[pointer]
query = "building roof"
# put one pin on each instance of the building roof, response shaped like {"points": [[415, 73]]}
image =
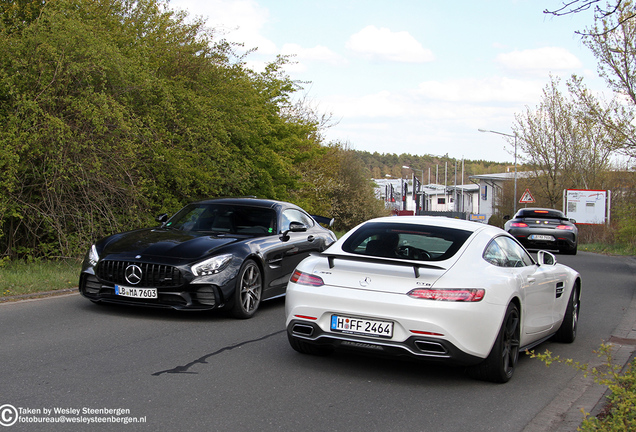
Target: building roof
{"points": [[501, 176]]}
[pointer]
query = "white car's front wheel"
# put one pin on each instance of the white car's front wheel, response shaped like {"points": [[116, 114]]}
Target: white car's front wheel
{"points": [[567, 331]]}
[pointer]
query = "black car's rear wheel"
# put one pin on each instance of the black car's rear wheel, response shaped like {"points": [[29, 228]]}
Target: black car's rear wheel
{"points": [[569, 251], [501, 362], [249, 289]]}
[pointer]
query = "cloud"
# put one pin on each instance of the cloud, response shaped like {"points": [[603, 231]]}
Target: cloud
{"points": [[541, 60], [431, 101], [301, 56], [383, 44], [240, 21], [494, 89]]}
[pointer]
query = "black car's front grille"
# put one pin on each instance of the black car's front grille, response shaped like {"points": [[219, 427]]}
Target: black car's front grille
{"points": [[152, 275]]}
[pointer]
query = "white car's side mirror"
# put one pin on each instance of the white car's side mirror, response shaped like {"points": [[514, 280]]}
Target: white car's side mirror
{"points": [[546, 258]]}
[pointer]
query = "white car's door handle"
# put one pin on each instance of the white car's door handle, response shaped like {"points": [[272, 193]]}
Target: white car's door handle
{"points": [[531, 280]]}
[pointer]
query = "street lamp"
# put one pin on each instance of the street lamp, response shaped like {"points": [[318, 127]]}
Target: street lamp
{"points": [[515, 137], [415, 169]]}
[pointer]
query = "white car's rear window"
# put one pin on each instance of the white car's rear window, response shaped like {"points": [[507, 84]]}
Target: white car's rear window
{"points": [[406, 241]]}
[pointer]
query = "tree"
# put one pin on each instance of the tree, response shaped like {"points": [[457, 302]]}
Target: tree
{"points": [[112, 111], [15, 15], [616, 53], [600, 13], [336, 183], [564, 146]]}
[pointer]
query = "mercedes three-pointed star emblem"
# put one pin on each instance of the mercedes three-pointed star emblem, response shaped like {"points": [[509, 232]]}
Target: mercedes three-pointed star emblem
{"points": [[133, 274]]}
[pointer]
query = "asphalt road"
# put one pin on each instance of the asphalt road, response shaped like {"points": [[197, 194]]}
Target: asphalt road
{"points": [[208, 372]]}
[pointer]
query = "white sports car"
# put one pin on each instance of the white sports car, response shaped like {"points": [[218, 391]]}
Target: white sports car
{"points": [[432, 288]]}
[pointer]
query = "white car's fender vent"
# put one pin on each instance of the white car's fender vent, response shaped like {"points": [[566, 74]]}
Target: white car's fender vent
{"points": [[559, 289], [416, 266]]}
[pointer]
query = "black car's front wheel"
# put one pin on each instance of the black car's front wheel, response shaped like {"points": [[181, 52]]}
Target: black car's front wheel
{"points": [[249, 289]]}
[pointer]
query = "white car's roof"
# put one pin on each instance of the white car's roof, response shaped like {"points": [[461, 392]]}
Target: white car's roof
{"points": [[440, 221], [475, 228]]}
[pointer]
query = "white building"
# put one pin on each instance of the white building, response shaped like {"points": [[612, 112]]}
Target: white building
{"points": [[438, 198], [491, 189]]}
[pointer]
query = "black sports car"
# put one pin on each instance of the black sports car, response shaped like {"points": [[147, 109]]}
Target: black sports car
{"points": [[540, 228], [224, 253]]}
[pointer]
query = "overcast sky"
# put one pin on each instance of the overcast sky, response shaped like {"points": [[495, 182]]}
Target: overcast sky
{"points": [[413, 76]]}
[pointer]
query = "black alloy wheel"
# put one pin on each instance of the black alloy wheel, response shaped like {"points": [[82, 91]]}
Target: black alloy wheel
{"points": [[249, 289], [567, 331], [500, 364]]}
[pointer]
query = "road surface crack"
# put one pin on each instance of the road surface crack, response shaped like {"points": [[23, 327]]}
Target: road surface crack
{"points": [[203, 360]]}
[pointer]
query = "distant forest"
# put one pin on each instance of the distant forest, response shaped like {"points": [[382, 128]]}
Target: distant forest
{"points": [[392, 165]]}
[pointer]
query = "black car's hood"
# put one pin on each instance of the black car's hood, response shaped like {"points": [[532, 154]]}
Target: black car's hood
{"points": [[159, 243]]}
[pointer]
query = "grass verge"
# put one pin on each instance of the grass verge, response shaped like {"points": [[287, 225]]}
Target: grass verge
{"points": [[18, 278], [608, 249]]}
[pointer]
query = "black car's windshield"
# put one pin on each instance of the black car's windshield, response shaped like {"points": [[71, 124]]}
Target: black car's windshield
{"points": [[222, 218], [406, 241]]}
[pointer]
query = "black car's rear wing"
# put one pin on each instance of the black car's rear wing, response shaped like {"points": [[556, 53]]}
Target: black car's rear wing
{"points": [[376, 260]]}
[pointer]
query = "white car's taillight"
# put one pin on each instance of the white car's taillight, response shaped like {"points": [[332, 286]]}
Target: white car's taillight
{"points": [[449, 294], [306, 279]]}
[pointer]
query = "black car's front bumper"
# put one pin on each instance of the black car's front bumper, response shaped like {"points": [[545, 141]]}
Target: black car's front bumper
{"points": [[189, 296]]}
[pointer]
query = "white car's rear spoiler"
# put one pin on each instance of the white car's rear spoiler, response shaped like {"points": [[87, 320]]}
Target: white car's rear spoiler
{"points": [[376, 260]]}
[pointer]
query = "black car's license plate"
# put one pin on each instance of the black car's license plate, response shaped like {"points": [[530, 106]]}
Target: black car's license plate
{"points": [[541, 237], [136, 292]]}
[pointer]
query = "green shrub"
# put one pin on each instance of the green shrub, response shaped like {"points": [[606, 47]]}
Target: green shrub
{"points": [[619, 414]]}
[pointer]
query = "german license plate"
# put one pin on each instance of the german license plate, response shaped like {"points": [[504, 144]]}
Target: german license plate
{"points": [[361, 326], [541, 237], [136, 292]]}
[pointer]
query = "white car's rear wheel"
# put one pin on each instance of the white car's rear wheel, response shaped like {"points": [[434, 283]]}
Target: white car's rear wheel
{"points": [[501, 362]]}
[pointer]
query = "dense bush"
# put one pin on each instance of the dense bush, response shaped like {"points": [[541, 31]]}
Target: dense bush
{"points": [[113, 111]]}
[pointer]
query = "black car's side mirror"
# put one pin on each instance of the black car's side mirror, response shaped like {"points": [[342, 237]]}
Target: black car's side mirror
{"points": [[293, 227], [162, 218]]}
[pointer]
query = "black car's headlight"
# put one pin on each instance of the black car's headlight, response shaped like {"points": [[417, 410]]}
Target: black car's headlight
{"points": [[92, 257], [212, 265]]}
